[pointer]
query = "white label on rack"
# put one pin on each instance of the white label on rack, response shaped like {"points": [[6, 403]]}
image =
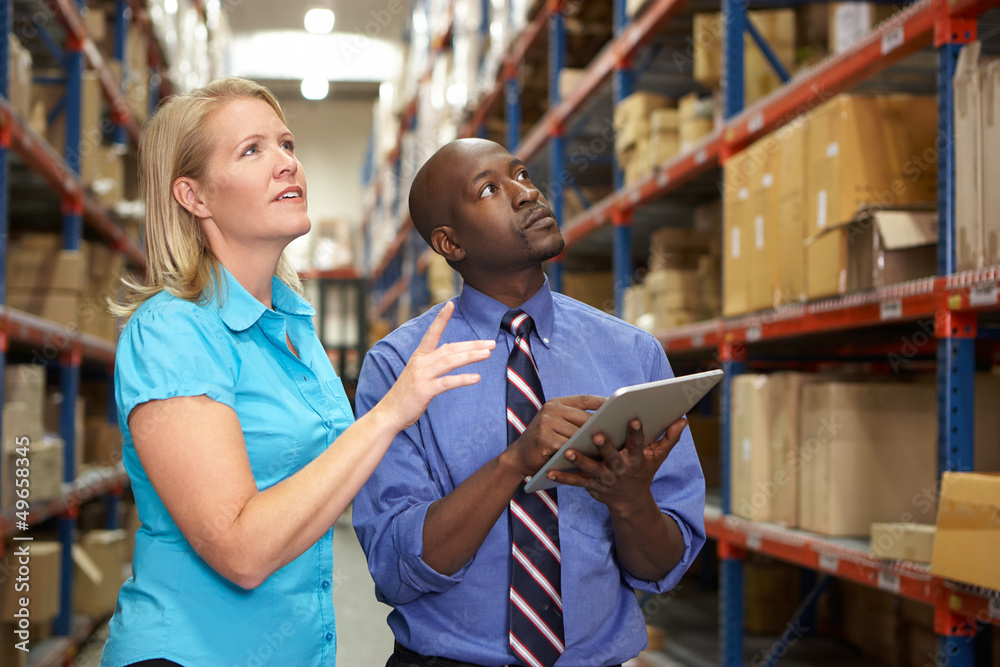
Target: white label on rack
{"points": [[753, 334], [735, 243], [994, 607], [767, 180], [983, 295], [753, 542], [697, 340], [743, 194], [821, 209], [892, 40], [758, 224], [701, 156], [745, 448], [828, 563], [662, 179], [755, 123], [890, 310], [888, 581], [635, 196], [832, 149]]}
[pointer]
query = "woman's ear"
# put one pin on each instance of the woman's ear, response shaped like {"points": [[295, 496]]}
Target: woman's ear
{"points": [[185, 191], [445, 243]]}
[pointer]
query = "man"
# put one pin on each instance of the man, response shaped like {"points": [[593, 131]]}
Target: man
{"points": [[550, 581]]}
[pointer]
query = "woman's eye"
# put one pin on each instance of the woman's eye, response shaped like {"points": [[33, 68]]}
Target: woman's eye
{"points": [[250, 150], [288, 145], [488, 190]]}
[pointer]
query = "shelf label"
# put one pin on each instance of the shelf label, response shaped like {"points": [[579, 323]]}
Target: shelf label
{"points": [[662, 179], [994, 607], [828, 563], [635, 196], [701, 156], [753, 334], [892, 40], [756, 122], [983, 295], [753, 542], [697, 340], [890, 310], [888, 582]]}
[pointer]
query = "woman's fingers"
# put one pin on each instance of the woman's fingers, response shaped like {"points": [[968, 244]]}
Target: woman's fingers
{"points": [[433, 334]]}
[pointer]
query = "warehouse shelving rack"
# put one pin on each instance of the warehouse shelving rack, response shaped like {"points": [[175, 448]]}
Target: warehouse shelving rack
{"points": [[952, 301], [48, 341]]}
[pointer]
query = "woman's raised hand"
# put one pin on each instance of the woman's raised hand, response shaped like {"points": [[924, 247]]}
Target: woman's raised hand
{"points": [[426, 373]]}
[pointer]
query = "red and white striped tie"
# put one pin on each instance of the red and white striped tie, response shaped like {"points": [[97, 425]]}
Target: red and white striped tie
{"points": [[536, 621]]}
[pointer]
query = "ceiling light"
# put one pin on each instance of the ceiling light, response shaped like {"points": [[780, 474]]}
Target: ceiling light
{"points": [[170, 6], [315, 88], [319, 21]]}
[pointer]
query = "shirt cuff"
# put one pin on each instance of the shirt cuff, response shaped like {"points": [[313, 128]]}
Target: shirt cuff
{"points": [[408, 536], [671, 578], [215, 392]]}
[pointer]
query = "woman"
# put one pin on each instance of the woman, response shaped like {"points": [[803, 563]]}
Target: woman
{"points": [[238, 437]]}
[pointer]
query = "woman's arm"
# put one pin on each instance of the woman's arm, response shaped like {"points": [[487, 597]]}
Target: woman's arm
{"points": [[193, 451]]}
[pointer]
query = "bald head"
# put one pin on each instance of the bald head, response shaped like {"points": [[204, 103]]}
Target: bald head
{"points": [[446, 172]]}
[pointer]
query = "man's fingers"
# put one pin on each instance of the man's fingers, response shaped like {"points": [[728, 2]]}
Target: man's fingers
{"points": [[434, 331], [584, 464], [582, 401]]}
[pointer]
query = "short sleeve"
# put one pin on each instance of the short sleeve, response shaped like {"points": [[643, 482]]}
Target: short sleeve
{"points": [[172, 350]]}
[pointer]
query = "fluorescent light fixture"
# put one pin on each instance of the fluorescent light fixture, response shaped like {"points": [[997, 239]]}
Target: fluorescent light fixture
{"points": [[319, 21], [419, 22], [385, 92], [339, 56], [457, 95], [170, 6], [315, 88]]}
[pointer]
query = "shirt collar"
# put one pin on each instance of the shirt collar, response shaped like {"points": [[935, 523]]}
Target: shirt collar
{"points": [[484, 314], [240, 310]]}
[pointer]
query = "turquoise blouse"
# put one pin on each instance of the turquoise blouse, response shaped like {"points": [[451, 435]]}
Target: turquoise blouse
{"points": [[233, 350]]}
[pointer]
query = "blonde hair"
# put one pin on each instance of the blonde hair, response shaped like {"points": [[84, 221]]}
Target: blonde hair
{"points": [[174, 144]]}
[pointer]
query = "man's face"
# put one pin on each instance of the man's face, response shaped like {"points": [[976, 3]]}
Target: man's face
{"points": [[502, 221]]}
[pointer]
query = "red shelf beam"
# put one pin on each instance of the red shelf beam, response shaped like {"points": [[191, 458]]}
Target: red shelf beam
{"points": [[85, 488], [21, 327]]}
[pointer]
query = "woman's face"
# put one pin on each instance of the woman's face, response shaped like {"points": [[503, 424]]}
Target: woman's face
{"points": [[256, 189]]}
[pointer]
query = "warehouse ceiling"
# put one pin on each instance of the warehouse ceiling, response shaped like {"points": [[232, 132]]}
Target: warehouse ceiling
{"points": [[271, 45]]}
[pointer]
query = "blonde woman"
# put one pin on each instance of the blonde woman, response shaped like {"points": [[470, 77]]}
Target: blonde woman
{"points": [[238, 437]]}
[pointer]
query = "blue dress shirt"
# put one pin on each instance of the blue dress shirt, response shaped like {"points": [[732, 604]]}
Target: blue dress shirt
{"points": [[233, 350], [578, 350]]}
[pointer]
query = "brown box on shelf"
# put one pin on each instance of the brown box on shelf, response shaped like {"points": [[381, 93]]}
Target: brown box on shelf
{"points": [[968, 533], [969, 196], [59, 306], [100, 560], [637, 108], [765, 446], [705, 433], [989, 86], [852, 21], [735, 229], [636, 303], [762, 244], [45, 471], [697, 119], [42, 269], [871, 622], [673, 297], [102, 442], [869, 152], [43, 595], [770, 595], [24, 403], [569, 78], [594, 288], [45, 96], [903, 541], [777, 27], [868, 449], [678, 247], [791, 195], [19, 68]]}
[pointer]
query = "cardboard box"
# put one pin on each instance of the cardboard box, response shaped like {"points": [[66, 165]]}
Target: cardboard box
{"points": [[697, 119], [867, 450], [53, 421], [102, 442], [705, 432], [736, 221], [44, 583], [594, 288], [765, 446], [763, 221], [19, 68], [38, 269], [968, 160], [871, 622], [58, 306], [791, 195], [569, 78], [989, 86], [45, 471], [24, 401], [636, 303], [968, 529], [770, 595], [100, 558], [91, 134], [852, 21], [638, 107], [903, 541]]}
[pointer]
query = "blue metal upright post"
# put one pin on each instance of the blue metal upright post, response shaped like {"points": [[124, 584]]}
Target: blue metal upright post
{"points": [[6, 23], [69, 371], [122, 20], [512, 109], [734, 17], [955, 331], [557, 138], [622, 266]]}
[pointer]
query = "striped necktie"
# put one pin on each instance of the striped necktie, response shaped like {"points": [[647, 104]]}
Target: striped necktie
{"points": [[535, 609]]}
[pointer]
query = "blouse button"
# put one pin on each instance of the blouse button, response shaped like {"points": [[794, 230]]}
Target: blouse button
{"points": [[326, 585], [329, 636]]}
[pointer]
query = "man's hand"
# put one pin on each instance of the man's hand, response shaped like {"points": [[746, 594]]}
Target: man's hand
{"points": [[622, 479], [548, 431]]}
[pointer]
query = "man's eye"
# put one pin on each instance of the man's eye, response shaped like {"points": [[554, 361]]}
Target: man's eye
{"points": [[523, 175], [488, 190]]}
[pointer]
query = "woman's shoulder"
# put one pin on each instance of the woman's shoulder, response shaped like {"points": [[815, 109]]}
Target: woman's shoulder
{"points": [[166, 310]]}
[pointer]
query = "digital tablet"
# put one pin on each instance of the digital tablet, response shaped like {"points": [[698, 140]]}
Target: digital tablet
{"points": [[658, 404]]}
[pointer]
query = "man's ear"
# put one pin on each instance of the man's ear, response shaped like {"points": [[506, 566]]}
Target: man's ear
{"points": [[186, 191], [445, 243]]}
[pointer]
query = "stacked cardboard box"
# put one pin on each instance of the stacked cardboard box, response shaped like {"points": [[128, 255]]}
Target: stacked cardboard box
{"points": [[102, 282], [863, 152], [19, 91], [25, 445], [633, 130], [674, 293], [664, 139], [770, 594], [977, 164], [24, 401], [968, 534], [45, 280], [708, 220], [43, 596], [594, 288], [696, 119], [705, 434], [852, 21], [792, 226], [100, 560]]}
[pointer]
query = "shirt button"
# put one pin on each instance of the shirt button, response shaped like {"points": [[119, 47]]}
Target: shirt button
{"points": [[325, 585], [545, 340], [328, 424], [329, 636]]}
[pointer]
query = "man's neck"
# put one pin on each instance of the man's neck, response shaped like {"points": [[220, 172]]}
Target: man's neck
{"points": [[510, 289]]}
